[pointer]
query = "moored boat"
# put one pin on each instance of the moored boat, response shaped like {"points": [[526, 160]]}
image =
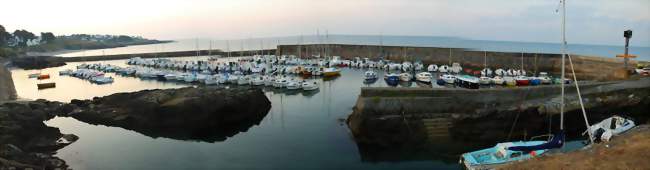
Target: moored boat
{"points": [[424, 77], [405, 77], [331, 72], [392, 79], [522, 81]]}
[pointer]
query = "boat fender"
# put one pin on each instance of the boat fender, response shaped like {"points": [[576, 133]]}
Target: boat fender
{"points": [[533, 154]]}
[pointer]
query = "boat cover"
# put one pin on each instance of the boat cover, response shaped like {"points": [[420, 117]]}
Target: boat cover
{"points": [[556, 142]]}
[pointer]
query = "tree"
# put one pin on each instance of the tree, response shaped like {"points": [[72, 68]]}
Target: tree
{"points": [[4, 36], [23, 37], [47, 37]]}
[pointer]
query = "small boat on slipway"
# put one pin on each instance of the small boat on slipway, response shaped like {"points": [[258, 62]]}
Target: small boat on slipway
{"points": [[605, 129], [405, 77]]}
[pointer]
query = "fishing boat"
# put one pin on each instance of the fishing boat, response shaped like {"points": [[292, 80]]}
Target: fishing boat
{"points": [[612, 126], [331, 72], [448, 78], [405, 77], [424, 77], [522, 81], [369, 75], [392, 79], [309, 86]]}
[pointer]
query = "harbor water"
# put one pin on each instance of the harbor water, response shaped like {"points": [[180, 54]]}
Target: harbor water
{"points": [[301, 131]]}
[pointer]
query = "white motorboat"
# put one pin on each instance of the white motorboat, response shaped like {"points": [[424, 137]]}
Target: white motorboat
{"points": [[405, 77], [606, 129], [280, 82], [424, 77], [370, 75], [293, 85], [483, 80], [308, 86]]}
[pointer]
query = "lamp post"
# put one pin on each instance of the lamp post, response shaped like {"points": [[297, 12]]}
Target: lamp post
{"points": [[627, 34]]}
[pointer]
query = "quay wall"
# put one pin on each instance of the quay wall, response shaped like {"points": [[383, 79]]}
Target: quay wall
{"points": [[586, 67]]}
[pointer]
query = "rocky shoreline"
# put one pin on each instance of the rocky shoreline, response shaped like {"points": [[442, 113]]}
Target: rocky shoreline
{"points": [[207, 114], [7, 89]]}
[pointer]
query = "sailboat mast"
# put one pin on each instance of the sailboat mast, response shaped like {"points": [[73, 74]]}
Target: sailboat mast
{"points": [[563, 56]]}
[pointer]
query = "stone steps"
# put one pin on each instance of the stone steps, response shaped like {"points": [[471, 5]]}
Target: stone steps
{"points": [[436, 127]]}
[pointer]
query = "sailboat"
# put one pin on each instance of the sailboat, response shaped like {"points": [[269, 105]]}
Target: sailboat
{"points": [[507, 152]]}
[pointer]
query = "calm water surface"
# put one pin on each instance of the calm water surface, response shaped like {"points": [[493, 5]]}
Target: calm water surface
{"points": [[301, 131]]}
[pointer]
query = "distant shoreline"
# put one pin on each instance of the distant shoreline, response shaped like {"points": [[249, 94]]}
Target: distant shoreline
{"points": [[66, 51]]}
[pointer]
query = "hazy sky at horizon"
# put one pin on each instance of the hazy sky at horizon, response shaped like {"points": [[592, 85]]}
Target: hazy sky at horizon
{"points": [[589, 21]]}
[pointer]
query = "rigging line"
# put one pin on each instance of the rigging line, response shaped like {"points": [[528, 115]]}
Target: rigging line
{"points": [[512, 128], [582, 105]]}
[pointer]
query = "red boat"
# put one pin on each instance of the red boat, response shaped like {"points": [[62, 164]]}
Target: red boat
{"points": [[522, 81]]}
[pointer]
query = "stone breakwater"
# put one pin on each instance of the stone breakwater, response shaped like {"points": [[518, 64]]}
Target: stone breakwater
{"points": [[207, 114], [388, 118], [7, 89]]}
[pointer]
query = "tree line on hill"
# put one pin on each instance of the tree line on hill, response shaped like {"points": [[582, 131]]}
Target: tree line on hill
{"points": [[19, 42]]}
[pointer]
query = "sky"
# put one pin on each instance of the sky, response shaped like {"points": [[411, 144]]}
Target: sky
{"points": [[588, 21]]}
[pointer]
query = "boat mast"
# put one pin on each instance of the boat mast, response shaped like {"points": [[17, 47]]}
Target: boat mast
{"points": [[563, 49], [485, 59], [228, 47]]}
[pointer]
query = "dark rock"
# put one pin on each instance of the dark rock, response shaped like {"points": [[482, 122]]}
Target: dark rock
{"points": [[24, 136], [205, 114]]}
